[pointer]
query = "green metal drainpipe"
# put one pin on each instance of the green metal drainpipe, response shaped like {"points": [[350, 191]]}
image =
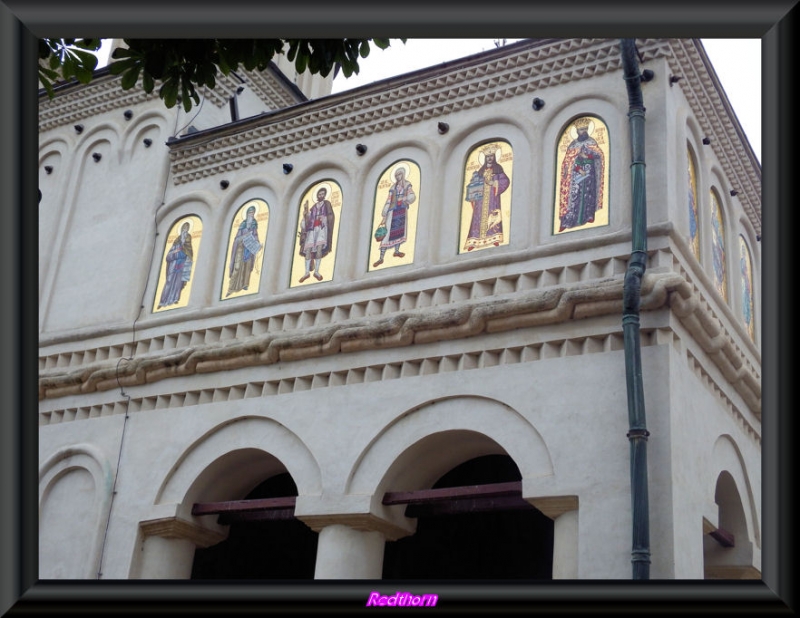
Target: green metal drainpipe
{"points": [[637, 433]]}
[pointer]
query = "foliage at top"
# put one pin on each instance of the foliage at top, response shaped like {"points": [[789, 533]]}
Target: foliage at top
{"points": [[66, 59], [179, 67]]}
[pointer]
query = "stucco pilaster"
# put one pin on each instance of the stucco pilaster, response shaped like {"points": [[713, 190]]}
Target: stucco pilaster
{"points": [[563, 510], [344, 552], [167, 548]]}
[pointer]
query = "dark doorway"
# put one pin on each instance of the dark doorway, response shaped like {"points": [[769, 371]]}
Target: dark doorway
{"points": [[514, 544], [273, 549]]}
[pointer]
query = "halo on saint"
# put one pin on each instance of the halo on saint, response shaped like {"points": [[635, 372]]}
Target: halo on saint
{"points": [[491, 148], [322, 185], [403, 167], [586, 122]]}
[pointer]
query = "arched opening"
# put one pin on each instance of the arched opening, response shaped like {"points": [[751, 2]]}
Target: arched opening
{"points": [[727, 549], [474, 538], [261, 544]]}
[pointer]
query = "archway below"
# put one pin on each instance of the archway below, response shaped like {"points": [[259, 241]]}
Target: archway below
{"points": [[727, 550], [475, 544], [266, 549]]}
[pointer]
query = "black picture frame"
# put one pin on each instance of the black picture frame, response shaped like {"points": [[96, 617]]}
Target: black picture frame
{"points": [[23, 21]]}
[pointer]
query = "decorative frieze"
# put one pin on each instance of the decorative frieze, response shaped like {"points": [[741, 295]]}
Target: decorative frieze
{"points": [[319, 124], [451, 321], [416, 367], [423, 366], [85, 102], [105, 94]]}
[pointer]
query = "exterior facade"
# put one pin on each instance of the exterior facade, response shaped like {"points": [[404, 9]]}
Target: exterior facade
{"points": [[336, 304]]}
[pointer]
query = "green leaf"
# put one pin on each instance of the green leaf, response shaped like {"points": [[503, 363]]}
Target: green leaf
{"points": [[48, 88], [89, 44], [206, 74], [169, 92], [301, 63], [47, 77], [294, 44], [87, 59], [155, 64], [249, 61], [147, 82], [51, 74], [122, 52], [166, 61], [120, 66], [83, 74], [67, 67], [130, 77], [223, 64]]}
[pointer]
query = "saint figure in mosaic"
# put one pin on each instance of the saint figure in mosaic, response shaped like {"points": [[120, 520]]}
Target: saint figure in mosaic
{"points": [[179, 256], [246, 249], [694, 237], [316, 233], [484, 190], [583, 173], [718, 247], [746, 266], [393, 227]]}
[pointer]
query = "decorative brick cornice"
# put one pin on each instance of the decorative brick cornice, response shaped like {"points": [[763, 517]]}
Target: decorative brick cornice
{"points": [[77, 103], [455, 320], [266, 85], [271, 88], [333, 120]]}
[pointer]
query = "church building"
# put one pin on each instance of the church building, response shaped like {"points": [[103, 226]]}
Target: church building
{"points": [[380, 334]]}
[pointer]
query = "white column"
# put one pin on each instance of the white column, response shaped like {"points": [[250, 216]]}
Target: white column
{"points": [[167, 548], [563, 510], [565, 546], [346, 553], [164, 558]]}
